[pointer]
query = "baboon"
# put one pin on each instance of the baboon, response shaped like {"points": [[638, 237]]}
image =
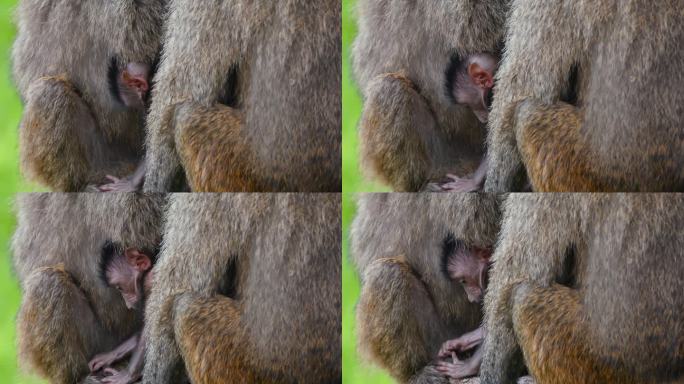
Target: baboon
{"points": [[68, 314], [469, 266], [589, 98], [130, 272], [408, 305], [247, 290], [589, 288], [412, 132], [470, 82], [248, 98], [83, 69]]}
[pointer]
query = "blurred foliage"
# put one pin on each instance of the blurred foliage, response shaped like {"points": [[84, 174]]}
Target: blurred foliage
{"points": [[10, 183], [354, 370]]}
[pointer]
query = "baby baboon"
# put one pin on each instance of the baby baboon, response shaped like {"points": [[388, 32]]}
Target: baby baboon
{"points": [[589, 287], [411, 130], [470, 82], [248, 97], [130, 272], [247, 290], [83, 70], [469, 266], [589, 97], [408, 305], [68, 314]]}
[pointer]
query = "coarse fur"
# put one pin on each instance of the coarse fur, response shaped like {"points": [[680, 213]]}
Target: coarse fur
{"points": [[247, 97], [74, 131], [408, 306], [624, 130], [411, 131], [247, 290], [68, 314], [589, 288]]}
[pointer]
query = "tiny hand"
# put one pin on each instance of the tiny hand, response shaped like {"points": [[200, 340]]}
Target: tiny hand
{"points": [[101, 361], [119, 377], [460, 184], [450, 346], [456, 369], [118, 185]]}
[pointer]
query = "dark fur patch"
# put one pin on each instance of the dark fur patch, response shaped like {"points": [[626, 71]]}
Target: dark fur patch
{"points": [[455, 65], [570, 95], [113, 81], [109, 251], [450, 246], [568, 275], [229, 92], [489, 99], [229, 282]]}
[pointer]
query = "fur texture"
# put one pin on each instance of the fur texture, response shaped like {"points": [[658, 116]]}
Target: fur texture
{"points": [[247, 290], [587, 288], [248, 97], [411, 131], [408, 307], [623, 131], [74, 131], [68, 314]]}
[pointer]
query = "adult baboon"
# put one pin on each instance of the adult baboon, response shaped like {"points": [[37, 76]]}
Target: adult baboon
{"points": [[248, 97], [589, 287], [247, 290], [589, 97]]}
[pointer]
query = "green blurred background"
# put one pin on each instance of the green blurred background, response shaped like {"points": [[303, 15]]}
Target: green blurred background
{"points": [[354, 371], [10, 181]]}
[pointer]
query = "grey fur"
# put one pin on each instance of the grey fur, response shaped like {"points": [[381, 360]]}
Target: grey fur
{"points": [[628, 268], [287, 55], [285, 252], [629, 90]]}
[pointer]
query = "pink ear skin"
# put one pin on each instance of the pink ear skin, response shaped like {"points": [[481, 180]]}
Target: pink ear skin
{"points": [[134, 84], [481, 76], [138, 260]]}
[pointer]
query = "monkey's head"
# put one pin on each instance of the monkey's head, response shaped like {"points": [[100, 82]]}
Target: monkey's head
{"points": [[467, 265], [128, 270], [470, 82], [130, 84]]}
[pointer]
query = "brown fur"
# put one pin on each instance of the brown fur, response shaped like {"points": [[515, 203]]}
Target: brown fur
{"points": [[209, 138], [548, 320], [550, 139]]}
